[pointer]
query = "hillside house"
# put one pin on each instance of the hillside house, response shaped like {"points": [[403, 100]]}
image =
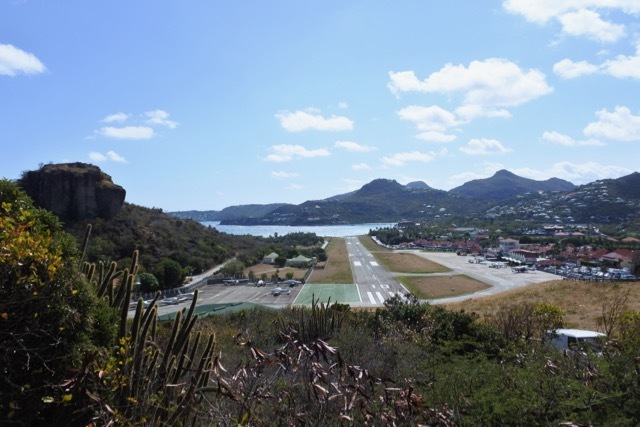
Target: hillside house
{"points": [[270, 259], [508, 245], [299, 261], [618, 258]]}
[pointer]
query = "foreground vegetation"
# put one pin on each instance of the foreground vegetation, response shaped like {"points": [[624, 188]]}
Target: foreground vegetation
{"points": [[70, 356]]}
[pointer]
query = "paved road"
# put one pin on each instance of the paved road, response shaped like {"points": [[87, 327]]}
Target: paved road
{"points": [[375, 283]]}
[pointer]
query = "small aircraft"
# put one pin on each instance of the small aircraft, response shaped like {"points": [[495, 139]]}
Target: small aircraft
{"points": [[173, 300], [519, 269], [277, 291], [231, 282], [292, 283]]}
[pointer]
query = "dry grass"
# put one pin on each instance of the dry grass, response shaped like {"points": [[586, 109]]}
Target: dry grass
{"points": [[337, 269], [258, 269], [430, 287], [405, 262], [371, 246], [582, 302]]}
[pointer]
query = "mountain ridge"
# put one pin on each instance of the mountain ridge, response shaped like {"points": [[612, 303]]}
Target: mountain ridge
{"points": [[386, 200]]}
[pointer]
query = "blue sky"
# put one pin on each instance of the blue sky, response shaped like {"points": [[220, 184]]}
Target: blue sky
{"points": [[207, 104]]}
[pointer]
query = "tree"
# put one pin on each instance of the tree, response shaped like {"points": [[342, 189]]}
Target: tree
{"points": [[168, 272], [148, 282], [49, 314], [281, 261], [233, 269]]}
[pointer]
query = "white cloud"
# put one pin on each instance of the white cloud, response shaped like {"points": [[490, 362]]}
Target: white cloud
{"points": [[618, 125], [568, 69], [470, 112], [117, 117], [110, 156], [429, 118], [294, 187], [400, 159], [302, 120], [360, 167], [127, 132], [578, 18], [433, 121], [484, 146], [623, 66], [435, 136], [343, 105], [565, 140], [354, 146], [541, 11], [494, 82], [285, 153], [284, 175], [160, 117], [577, 173], [15, 61], [588, 23]]}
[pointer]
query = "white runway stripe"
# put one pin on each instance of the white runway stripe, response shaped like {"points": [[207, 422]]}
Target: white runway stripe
{"points": [[380, 297], [371, 298]]}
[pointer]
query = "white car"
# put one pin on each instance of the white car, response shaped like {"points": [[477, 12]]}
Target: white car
{"points": [[576, 340]]}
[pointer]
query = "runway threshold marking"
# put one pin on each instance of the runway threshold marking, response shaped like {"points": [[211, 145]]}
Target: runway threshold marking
{"points": [[357, 263], [380, 297], [373, 263], [371, 298]]}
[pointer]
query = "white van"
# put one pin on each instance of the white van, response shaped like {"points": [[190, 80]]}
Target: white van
{"points": [[576, 339]]}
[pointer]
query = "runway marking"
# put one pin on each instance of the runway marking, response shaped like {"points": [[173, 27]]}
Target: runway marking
{"points": [[384, 286], [371, 298], [373, 263], [357, 263], [380, 297]]}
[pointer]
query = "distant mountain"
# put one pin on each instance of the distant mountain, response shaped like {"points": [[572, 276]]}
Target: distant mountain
{"points": [[627, 187], [504, 184], [418, 184], [504, 196], [381, 200], [231, 212]]}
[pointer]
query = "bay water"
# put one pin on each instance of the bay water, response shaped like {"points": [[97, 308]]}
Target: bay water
{"points": [[281, 230]]}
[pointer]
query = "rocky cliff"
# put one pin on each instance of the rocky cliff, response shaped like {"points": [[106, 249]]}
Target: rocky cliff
{"points": [[74, 191]]}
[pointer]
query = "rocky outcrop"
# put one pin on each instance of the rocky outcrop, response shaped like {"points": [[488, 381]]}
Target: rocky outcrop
{"points": [[74, 191]]}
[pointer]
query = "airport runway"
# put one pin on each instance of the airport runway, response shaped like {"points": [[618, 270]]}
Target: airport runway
{"points": [[374, 282]]}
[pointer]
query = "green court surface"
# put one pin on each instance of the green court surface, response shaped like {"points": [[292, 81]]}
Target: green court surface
{"points": [[339, 293]]}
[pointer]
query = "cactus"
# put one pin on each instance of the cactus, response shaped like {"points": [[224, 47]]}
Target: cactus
{"points": [[164, 382]]}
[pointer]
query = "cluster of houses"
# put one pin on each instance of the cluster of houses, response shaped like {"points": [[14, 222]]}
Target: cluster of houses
{"points": [[300, 261], [584, 263]]}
